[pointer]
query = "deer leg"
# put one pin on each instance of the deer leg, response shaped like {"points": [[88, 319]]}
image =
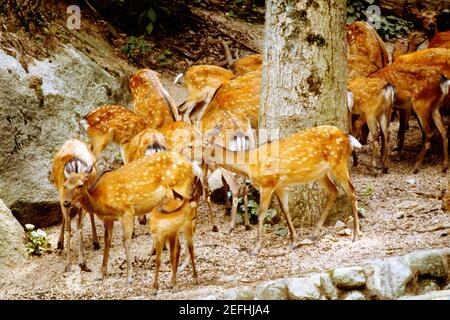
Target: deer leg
{"points": [[342, 175], [66, 214], [81, 257], [226, 188], [385, 141], [189, 233], [424, 120], [174, 257], [283, 199], [142, 219], [264, 201], [94, 232], [109, 227], [127, 228], [60, 245], [437, 118], [357, 131], [212, 215], [207, 100], [373, 127], [330, 188], [234, 187], [246, 214], [158, 247], [404, 121]]}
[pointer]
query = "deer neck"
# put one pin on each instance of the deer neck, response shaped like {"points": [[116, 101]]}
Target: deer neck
{"points": [[88, 202]]}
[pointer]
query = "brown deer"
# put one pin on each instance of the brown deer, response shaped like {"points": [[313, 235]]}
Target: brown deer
{"points": [[404, 46], [429, 18], [372, 101], [165, 226], [72, 159], [132, 190], [240, 95], [310, 155], [247, 64], [201, 82], [423, 89], [440, 40], [111, 123], [151, 100]]}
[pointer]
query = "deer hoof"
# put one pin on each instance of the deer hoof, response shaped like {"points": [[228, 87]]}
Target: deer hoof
{"points": [[60, 246], [84, 267], [256, 250], [96, 245], [154, 291], [415, 171], [215, 229], [68, 268], [248, 227]]}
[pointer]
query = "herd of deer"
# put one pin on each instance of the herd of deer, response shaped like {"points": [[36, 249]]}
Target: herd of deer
{"points": [[166, 157]]}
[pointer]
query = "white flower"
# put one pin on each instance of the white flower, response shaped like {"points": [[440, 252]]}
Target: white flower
{"points": [[29, 226]]}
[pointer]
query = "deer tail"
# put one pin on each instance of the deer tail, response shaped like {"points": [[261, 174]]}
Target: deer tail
{"points": [[354, 143]]}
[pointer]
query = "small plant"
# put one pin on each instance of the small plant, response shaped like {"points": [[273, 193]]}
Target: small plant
{"points": [[368, 192], [388, 27], [164, 58], [37, 243], [135, 46]]}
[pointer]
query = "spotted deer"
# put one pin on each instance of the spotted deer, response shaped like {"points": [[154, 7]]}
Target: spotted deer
{"points": [[132, 190], [372, 101], [112, 124], [422, 90], [201, 82], [151, 100], [310, 155], [166, 224], [408, 45], [247, 64], [72, 159], [366, 52], [240, 95]]}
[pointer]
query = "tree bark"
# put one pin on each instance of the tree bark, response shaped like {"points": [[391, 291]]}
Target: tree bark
{"points": [[304, 80]]}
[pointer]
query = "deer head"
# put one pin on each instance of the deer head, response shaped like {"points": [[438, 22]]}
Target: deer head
{"points": [[428, 18]]}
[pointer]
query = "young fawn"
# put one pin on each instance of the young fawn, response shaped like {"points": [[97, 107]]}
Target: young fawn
{"points": [[132, 190], [372, 101], [165, 226], [310, 155], [112, 123], [151, 100], [74, 158], [201, 83]]}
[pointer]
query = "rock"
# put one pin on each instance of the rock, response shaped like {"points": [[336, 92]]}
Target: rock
{"points": [[345, 232], [34, 123], [411, 181], [240, 293], [312, 287], [12, 245], [429, 263], [387, 279], [349, 278], [428, 285], [407, 204], [339, 225], [434, 295], [230, 278], [306, 242], [274, 290], [399, 215], [353, 295]]}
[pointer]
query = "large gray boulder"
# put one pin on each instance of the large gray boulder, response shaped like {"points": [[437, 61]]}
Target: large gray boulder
{"points": [[39, 110], [313, 287], [12, 246], [388, 278], [349, 277], [431, 263]]}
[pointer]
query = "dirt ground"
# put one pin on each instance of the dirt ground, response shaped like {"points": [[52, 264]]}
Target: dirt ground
{"points": [[224, 260]]}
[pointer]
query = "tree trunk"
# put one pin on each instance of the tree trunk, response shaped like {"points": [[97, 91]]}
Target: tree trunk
{"points": [[304, 80]]}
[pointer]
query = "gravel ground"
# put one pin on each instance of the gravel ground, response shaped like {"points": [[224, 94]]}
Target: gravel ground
{"points": [[223, 260]]}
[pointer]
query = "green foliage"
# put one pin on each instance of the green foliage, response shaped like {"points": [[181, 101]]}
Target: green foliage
{"points": [[165, 58], [37, 243], [388, 27], [135, 46], [368, 192]]}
